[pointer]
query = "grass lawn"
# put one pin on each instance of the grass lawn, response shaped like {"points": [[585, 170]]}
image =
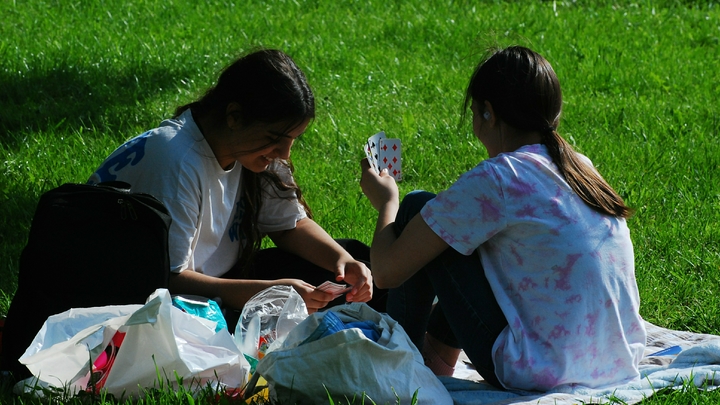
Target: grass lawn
{"points": [[640, 81]]}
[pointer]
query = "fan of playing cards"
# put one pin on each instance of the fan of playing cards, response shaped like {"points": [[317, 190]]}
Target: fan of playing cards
{"points": [[384, 153], [333, 288]]}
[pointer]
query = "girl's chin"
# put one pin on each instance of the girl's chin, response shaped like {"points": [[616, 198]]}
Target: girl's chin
{"points": [[257, 165], [260, 167]]}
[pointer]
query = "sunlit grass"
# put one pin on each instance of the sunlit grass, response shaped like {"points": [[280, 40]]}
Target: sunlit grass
{"points": [[640, 81]]}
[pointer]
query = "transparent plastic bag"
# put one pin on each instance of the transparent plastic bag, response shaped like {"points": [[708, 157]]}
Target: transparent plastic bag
{"points": [[266, 320]]}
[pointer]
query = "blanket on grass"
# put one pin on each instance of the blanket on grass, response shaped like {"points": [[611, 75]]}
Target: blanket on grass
{"points": [[672, 359]]}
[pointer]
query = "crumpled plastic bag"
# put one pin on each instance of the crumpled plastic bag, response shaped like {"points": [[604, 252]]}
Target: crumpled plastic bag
{"points": [[266, 320], [158, 339], [349, 362]]}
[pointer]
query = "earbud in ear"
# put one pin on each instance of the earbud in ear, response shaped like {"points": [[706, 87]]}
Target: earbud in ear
{"points": [[487, 115]]}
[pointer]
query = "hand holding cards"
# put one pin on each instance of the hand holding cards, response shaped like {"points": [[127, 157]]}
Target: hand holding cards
{"points": [[333, 288], [384, 153]]}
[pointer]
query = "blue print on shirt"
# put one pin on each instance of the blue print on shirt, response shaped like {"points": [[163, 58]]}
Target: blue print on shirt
{"points": [[133, 153], [235, 233]]}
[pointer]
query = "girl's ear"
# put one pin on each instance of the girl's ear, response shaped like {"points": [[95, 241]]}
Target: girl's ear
{"points": [[233, 116], [489, 114]]}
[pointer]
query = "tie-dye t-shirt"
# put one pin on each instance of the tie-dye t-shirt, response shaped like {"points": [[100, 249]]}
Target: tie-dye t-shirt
{"points": [[562, 273]]}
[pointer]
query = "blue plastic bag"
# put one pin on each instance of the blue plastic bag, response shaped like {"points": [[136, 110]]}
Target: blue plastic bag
{"points": [[202, 307]]}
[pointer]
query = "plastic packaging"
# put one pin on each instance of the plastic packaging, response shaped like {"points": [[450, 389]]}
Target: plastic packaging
{"points": [[266, 320], [202, 307]]}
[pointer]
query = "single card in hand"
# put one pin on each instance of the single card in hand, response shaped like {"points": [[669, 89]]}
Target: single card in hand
{"points": [[334, 288], [384, 153], [372, 146], [390, 157]]}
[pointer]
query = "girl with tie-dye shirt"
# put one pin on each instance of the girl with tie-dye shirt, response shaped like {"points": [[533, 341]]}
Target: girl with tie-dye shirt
{"points": [[538, 286]]}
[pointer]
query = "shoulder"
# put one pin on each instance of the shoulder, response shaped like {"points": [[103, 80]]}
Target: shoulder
{"points": [[170, 150], [528, 158]]}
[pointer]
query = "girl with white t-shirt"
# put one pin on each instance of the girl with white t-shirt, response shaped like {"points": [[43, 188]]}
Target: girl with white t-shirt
{"points": [[538, 284], [221, 167]]}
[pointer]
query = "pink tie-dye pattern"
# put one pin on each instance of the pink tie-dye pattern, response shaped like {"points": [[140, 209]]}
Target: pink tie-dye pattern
{"points": [[562, 315], [634, 327], [597, 374], [558, 332], [546, 378], [516, 255], [526, 211], [519, 188], [574, 299], [447, 237], [611, 258], [489, 211], [526, 284], [428, 213], [591, 321], [448, 204], [563, 282], [523, 363], [592, 350]]}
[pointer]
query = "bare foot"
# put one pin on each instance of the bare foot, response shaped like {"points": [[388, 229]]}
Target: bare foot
{"points": [[439, 357]]}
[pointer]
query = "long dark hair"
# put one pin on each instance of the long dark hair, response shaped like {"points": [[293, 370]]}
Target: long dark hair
{"points": [[269, 88], [524, 92]]}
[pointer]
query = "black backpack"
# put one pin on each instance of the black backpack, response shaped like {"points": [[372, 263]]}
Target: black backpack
{"points": [[89, 245]]}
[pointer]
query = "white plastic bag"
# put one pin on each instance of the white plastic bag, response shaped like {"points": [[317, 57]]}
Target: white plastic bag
{"points": [[159, 338], [347, 363], [266, 319]]}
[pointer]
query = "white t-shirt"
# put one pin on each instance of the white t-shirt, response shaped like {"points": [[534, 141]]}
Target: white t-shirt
{"points": [[175, 164], [563, 274]]}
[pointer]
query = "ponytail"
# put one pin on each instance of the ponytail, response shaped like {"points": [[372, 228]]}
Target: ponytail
{"points": [[584, 180]]}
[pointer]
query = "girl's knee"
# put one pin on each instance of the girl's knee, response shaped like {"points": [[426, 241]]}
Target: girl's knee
{"points": [[410, 206], [413, 202]]}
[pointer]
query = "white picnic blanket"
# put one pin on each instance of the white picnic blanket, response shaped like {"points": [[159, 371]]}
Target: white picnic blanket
{"points": [[672, 359]]}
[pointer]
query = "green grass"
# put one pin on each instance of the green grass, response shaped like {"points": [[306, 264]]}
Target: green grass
{"points": [[640, 80]]}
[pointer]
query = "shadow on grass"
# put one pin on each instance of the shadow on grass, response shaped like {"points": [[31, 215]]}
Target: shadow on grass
{"points": [[15, 220], [66, 96]]}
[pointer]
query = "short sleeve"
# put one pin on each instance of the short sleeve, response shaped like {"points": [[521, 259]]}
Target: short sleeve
{"points": [[280, 209], [468, 213]]}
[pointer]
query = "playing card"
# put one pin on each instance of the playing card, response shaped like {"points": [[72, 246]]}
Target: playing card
{"points": [[389, 157], [333, 288], [371, 150]]}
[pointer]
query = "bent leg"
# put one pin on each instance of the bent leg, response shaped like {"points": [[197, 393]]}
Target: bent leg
{"points": [[470, 308], [410, 304]]}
